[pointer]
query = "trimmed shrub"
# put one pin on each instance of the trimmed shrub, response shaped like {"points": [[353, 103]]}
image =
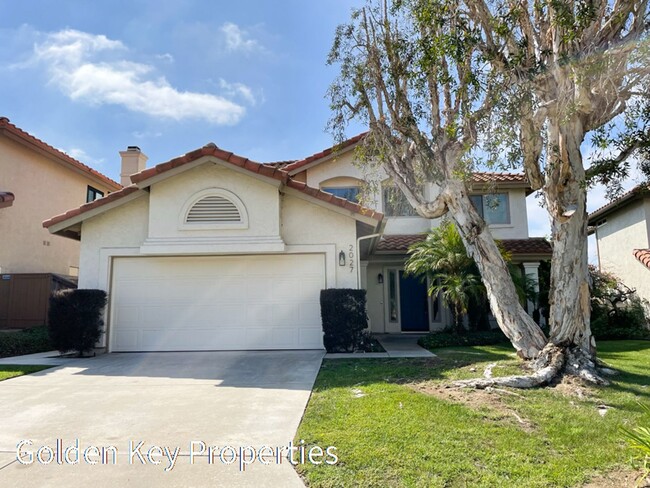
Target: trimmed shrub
{"points": [[27, 341], [75, 319], [447, 339], [343, 311]]}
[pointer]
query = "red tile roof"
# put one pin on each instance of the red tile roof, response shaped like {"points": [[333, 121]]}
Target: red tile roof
{"points": [[636, 192], [31, 141], [212, 150], [532, 245], [643, 255], [397, 242], [324, 153], [6, 199], [493, 177], [86, 207], [401, 243]]}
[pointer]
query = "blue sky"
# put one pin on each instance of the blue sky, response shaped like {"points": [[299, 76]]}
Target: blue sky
{"points": [[92, 78]]}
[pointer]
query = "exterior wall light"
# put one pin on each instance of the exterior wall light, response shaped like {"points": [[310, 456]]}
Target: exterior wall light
{"points": [[341, 258], [380, 278]]}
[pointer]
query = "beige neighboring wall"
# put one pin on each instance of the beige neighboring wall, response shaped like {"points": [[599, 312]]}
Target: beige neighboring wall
{"points": [[43, 187], [625, 230]]}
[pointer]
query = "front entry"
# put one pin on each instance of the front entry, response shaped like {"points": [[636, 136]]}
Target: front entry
{"points": [[413, 304]]}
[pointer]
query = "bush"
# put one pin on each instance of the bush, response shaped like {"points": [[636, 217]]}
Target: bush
{"points": [[343, 312], [446, 339], [27, 341], [75, 319], [617, 312]]}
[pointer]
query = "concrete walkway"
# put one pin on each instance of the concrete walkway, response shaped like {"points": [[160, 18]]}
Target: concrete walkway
{"points": [[396, 346]]}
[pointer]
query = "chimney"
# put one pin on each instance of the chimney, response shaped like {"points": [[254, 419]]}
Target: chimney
{"points": [[133, 161]]}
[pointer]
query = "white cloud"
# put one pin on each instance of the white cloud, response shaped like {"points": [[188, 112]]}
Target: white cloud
{"points": [[237, 89], [145, 134], [237, 39], [81, 155], [167, 58], [91, 68]]}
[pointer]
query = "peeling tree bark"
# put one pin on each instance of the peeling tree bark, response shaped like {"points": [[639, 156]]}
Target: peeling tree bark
{"points": [[525, 335]]}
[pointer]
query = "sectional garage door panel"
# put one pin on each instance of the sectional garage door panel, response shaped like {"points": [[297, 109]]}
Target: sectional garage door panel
{"points": [[217, 303]]}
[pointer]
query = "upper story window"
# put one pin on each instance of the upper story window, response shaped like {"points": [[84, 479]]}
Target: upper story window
{"points": [[214, 208], [93, 194], [396, 204], [494, 207], [350, 193]]}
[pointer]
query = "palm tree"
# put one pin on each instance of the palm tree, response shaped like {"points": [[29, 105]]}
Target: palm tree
{"points": [[453, 275]]}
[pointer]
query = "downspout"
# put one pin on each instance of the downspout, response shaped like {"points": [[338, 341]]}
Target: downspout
{"points": [[371, 236]]}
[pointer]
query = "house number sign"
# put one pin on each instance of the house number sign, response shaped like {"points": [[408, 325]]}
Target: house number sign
{"points": [[351, 256]]}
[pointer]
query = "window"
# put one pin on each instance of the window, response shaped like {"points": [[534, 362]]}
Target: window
{"points": [[494, 208], [396, 204], [93, 194], [350, 193], [392, 295]]}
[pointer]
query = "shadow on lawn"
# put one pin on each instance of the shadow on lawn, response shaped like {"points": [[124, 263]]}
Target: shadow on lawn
{"points": [[355, 372]]}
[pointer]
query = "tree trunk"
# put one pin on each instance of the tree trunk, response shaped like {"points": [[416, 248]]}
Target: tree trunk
{"points": [[570, 308], [525, 335]]}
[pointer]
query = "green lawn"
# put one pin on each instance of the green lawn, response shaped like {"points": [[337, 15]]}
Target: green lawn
{"points": [[11, 371], [394, 425]]}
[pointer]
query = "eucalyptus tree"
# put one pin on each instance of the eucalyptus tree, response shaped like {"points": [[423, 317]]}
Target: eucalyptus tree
{"points": [[567, 69], [444, 85], [412, 71]]}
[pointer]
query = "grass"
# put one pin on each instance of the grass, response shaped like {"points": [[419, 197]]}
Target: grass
{"points": [[11, 371], [387, 433], [27, 341]]}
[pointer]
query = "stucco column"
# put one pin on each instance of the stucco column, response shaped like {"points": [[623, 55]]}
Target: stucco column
{"points": [[531, 271]]}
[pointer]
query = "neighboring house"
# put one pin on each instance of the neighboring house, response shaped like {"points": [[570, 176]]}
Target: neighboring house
{"points": [[45, 181], [622, 231], [213, 251]]}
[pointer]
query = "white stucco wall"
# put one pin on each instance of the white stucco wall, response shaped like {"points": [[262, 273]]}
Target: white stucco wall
{"points": [[305, 223], [124, 228], [301, 226], [340, 171], [626, 230], [169, 197]]}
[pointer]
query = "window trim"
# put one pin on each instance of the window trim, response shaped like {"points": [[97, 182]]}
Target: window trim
{"points": [[95, 192], [219, 192]]}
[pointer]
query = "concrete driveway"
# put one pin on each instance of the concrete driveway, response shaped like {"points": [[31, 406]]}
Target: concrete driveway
{"points": [[173, 402]]}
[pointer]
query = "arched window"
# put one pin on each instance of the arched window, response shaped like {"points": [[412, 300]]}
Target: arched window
{"points": [[214, 208]]}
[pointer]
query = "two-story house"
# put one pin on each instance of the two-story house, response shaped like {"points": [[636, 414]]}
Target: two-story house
{"points": [[398, 302], [622, 232], [44, 181], [37, 180], [213, 251]]}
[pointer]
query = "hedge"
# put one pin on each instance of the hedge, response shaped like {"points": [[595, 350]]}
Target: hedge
{"points": [[75, 319], [343, 311]]}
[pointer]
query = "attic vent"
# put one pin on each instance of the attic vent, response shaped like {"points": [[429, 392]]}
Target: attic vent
{"points": [[213, 209]]}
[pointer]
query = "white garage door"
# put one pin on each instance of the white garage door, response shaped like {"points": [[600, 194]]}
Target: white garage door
{"points": [[217, 303]]}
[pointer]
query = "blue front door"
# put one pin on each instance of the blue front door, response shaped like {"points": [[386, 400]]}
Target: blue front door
{"points": [[413, 304]]}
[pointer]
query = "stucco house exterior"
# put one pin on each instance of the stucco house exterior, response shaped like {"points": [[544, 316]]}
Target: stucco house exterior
{"points": [[37, 181], [213, 251], [622, 232]]}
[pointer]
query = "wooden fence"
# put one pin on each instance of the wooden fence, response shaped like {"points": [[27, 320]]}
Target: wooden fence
{"points": [[24, 298]]}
